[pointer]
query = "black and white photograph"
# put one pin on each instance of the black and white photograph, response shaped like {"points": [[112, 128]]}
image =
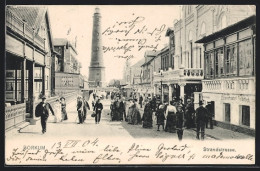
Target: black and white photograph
{"points": [[130, 84]]}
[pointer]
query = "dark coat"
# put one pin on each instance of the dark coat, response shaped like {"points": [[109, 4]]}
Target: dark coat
{"points": [[44, 110], [201, 115], [97, 107]]}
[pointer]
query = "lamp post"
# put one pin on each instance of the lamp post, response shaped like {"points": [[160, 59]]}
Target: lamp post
{"points": [[161, 86]]}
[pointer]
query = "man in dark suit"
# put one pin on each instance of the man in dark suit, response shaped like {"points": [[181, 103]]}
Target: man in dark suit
{"points": [[201, 118], [43, 109], [98, 109]]}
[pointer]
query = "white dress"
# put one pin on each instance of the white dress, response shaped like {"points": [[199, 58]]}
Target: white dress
{"points": [[57, 112]]}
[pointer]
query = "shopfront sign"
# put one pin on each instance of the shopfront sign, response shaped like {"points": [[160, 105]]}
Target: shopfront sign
{"points": [[231, 97]]}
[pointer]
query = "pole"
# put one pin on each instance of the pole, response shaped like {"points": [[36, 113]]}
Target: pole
{"points": [[161, 92]]}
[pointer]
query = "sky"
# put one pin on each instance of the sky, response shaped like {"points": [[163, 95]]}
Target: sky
{"points": [[127, 31]]}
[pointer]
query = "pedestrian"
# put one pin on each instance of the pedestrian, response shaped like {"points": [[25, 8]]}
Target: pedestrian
{"points": [[134, 116], [57, 111], [189, 114], [141, 101], [179, 121], [201, 118], [85, 109], [116, 108], [122, 109], [210, 115], [170, 118], [160, 117], [98, 110], [80, 106], [63, 109], [112, 109], [42, 109], [148, 115]]}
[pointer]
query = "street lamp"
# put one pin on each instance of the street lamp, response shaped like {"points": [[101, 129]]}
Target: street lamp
{"points": [[161, 72]]}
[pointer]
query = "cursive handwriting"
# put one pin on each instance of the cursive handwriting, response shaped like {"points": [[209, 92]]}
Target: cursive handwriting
{"points": [[107, 156]]}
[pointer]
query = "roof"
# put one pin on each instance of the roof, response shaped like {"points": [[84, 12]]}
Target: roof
{"points": [[60, 41], [139, 63], [63, 42], [148, 62], [228, 30], [150, 53], [32, 15]]}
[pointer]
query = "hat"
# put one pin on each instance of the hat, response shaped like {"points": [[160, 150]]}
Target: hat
{"points": [[62, 98], [200, 102], [43, 97], [209, 102]]}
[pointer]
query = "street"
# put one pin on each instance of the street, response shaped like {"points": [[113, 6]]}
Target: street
{"points": [[107, 128]]}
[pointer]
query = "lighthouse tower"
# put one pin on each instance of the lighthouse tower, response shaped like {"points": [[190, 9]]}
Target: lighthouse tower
{"points": [[96, 69]]}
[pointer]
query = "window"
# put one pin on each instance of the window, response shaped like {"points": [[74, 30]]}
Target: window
{"points": [[223, 21], [231, 61], [227, 112], [203, 29], [47, 83], [219, 63], [191, 57], [245, 58], [209, 64], [245, 115]]}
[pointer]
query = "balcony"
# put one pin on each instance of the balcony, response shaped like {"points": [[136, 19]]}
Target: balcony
{"points": [[184, 74], [21, 28], [230, 85]]}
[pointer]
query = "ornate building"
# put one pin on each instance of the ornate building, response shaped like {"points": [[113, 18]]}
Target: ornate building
{"points": [[229, 69], [196, 21]]}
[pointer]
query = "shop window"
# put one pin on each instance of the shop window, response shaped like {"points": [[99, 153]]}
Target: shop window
{"points": [[245, 115], [219, 63], [227, 112], [245, 58], [231, 61]]}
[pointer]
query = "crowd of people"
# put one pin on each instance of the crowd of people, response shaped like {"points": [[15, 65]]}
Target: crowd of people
{"points": [[173, 117]]}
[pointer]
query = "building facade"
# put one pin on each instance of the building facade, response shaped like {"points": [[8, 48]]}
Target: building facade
{"points": [[196, 21], [230, 75], [29, 54], [67, 70]]}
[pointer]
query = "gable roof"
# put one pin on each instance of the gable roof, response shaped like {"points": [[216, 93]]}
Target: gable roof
{"points": [[139, 63], [32, 15]]}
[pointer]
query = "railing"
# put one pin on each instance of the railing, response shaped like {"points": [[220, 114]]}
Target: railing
{"points": [[191, 74], [14, 115], [18, 26], [230, 85]]}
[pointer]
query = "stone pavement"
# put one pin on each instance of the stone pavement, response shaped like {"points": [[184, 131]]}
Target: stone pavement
{"points": [[109, 128]]}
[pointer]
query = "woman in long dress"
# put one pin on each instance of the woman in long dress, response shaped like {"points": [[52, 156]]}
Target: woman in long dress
{"points": [[148, 116], [57, 111], [63, 109], [171, 118], [133, 114]]}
